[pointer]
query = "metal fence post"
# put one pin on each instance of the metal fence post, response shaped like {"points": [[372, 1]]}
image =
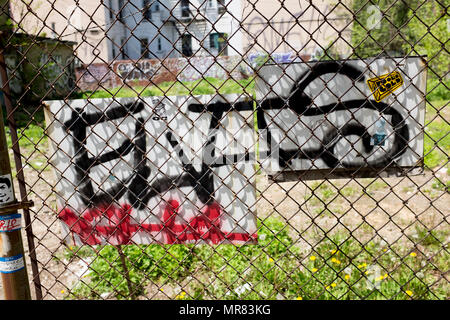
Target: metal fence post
{"points": [[12, 262]]}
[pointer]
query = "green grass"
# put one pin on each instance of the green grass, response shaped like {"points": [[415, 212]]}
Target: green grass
{"points": [[437, 134], [339, 267], [200, 87]]}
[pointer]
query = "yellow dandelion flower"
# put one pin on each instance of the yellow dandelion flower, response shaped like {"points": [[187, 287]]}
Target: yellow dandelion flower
{"points": [[333, 251], [270, 260], [409, 292], [62, 291], [334, 284], [314, 269], [183, 293], [312, 258], [366, 272], [385, 276], [299, 298], [347, 276], [384, 249], [379, 278], [335, 261], [327, 287], [161, 289], [413, 254]]}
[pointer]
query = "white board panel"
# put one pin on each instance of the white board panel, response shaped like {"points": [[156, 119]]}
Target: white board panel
{"points": [[364, 116], [144, 170]]}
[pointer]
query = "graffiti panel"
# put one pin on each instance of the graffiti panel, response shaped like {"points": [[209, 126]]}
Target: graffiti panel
{"points": [[337, 116], [165, 170]]}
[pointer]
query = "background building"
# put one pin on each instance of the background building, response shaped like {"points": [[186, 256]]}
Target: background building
{"points": [[65, 20], [143, 29], [299, 26]]}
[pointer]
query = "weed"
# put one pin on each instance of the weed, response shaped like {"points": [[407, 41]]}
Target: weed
{"points": [[340, 267]]}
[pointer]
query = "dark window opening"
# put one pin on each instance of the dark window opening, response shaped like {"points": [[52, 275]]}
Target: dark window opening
{"points": [[159, 44], [145, 53], [53, 27], [122, 48], [111, 10], [219, 42], [186, 45], [185, 11], [146, 9], [221, 8], [121, 8]]}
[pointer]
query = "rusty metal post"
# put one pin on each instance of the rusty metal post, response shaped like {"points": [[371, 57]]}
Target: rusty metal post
{"points": [[19, 170], [12, 262]]}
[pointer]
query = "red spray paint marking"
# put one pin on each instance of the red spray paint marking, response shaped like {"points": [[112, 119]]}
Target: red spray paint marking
{"points": [[119, 228]]}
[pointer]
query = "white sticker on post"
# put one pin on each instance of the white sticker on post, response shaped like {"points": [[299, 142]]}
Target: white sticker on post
{"points": [[6, 189], [11, 264]]}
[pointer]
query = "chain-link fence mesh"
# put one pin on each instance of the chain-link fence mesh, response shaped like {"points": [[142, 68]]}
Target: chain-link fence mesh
{"points": [[143, 125]]}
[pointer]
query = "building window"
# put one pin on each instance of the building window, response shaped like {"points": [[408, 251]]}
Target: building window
{"points": [[121, 9], [145, 53], [111, 10], [113, 50], [146, 9], [123, 48], [186, 45], [53, 27], [185, 11], [221, 8], [219, 42], [159, 44]]}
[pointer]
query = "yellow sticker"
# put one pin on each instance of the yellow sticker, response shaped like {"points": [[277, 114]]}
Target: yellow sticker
{"points": [[384, 85]]}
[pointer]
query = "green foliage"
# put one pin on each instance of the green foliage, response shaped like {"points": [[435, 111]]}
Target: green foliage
{"points": [[436, 137], [339, 267], [406, 28], [438, 89]]}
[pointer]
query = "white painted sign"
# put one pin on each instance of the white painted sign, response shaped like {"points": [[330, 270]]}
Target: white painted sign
{"points": [[142, 170], [342, 115]]}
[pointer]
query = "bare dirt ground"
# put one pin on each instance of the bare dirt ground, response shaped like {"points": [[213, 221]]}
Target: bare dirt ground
{"points": [[387, 208]]}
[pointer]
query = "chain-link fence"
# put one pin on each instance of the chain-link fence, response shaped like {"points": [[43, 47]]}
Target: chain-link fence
{"points": [[231, 149]]}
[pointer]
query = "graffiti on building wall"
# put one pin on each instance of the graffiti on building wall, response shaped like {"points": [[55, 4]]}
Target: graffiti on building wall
{"points": [[129, 71], [57, 72], [140, 171], [96, 73], [277, 57], [196, 68], [153, 71], [14, 70]]}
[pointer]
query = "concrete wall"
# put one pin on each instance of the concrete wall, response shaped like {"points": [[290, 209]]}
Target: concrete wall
{"points": [[47, 70], [153, 71]]}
